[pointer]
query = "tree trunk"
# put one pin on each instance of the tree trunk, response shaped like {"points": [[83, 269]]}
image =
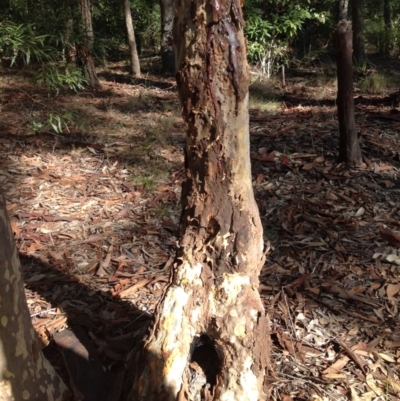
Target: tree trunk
{"points": [[342, 7], [135, 65], [25, 374], [349, 147], [84, 49], [68, 53], [210, 338], [358, 32], [167, 51], [387, 14]]}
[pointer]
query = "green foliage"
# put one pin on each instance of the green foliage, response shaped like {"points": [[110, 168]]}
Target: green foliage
{"points": [[147, 20], [52, 123], [21, 41], [55, 77], [375, 83], [271, 26], [378, 38], [381, 40]]}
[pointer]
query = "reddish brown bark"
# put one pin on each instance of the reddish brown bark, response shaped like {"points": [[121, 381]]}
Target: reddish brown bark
{"points": [[349, 147], [211, 322]]}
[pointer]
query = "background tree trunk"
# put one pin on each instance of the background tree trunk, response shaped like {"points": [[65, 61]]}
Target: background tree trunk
{"points": [[135, 64], [25, 374], [210, 336], [342, 7], [349, 147], [84, 49], [358, 32], [167, 50], [387, 16]]}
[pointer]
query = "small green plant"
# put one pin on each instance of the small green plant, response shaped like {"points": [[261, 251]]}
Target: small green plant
{"points": [[162, 211], [53, 123], [55, 77], [261, 103], [373, 84], [146, 181]]}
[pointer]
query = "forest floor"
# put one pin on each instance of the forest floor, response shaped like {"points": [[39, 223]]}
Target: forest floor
{"points": [[93, 185]]}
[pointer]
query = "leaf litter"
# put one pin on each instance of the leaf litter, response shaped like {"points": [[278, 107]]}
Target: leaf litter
{"points": [[95, 212]]}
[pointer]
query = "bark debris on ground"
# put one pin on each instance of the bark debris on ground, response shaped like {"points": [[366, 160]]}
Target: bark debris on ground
{"points": [[93, 186]]}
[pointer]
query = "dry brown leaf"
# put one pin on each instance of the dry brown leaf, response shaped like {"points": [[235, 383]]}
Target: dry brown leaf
{"points": [[308, 166], [386, 357], [390, 236], [392, 290], [373, 385], [331, 196], [335, 376], [337, 366], [354, 395], [388, 184]]}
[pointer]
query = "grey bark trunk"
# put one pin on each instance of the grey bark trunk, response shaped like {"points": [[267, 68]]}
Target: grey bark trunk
{"points": [[167, 50], [25, 374], [134, 57]]}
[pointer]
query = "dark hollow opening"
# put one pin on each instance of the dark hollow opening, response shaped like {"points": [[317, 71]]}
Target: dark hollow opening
{"points": [[206, 358]]}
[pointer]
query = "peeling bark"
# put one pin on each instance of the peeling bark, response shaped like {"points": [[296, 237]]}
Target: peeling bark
{"points": [[25, 374], [210, 336]]}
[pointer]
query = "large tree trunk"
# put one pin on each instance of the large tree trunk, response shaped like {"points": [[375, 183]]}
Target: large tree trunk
{"points": [[135, 64], [210, 337], [358, 32], [349, 147], [85, 47], [25, 374], [167, 50]]}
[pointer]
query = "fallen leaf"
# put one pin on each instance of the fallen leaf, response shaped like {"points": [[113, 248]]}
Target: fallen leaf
{"points": [[390, 236], [392, 290], [387, 358], [360, 212]]}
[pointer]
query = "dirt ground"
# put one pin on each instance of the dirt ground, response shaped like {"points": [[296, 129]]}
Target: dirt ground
{"points": [[93, 185]]}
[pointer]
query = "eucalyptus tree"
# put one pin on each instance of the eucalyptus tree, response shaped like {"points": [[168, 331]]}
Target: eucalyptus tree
{"points": [[210, 323], [134, 57], [25, 374], [84, 47]]}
